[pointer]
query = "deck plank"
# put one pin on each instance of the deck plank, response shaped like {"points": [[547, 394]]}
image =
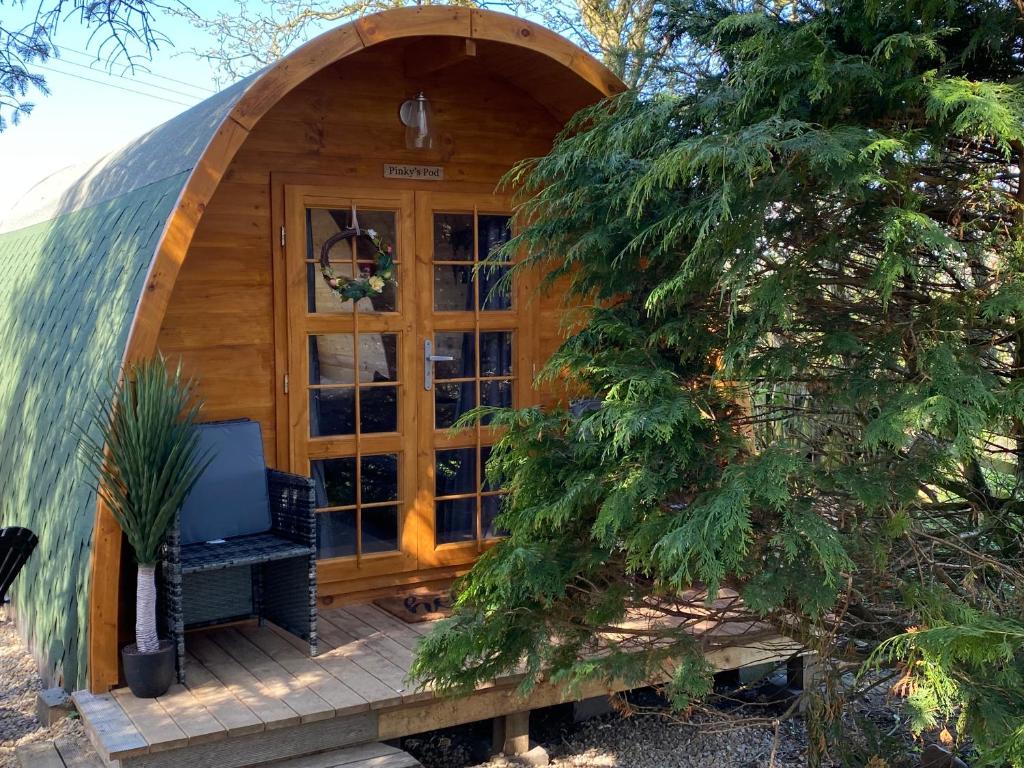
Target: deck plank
{"points": [[108, 725], [44, 755], [355, 677], [206, 651], [195, 720], [264, 702], [358, 651], [378, 641], [219, 701], [419, 627], [338, 694], [308, 705], [383, 621], [372, 755], [157, 728], [76, 755]]}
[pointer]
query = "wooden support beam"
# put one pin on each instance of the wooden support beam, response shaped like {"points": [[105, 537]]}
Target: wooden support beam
{"points": [[517, 733], [432, 55]]}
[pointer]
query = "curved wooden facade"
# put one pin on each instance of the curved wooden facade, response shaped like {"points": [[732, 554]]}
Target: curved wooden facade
{"points": [[226, 289]]}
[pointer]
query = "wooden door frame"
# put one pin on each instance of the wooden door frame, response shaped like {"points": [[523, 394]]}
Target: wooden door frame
{"points": [[296, 199], [417, 299], [428, 201]]}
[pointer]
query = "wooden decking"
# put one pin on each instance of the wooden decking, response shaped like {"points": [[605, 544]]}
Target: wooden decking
{"points": [[252, 695]]}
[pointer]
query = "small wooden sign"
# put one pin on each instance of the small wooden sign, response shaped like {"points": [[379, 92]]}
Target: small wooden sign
{"points": [[420, 172]]}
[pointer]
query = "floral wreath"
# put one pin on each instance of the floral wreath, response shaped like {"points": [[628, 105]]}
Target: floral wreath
{"points": [[371, 282]]}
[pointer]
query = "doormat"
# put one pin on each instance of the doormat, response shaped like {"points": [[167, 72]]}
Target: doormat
{"points": [[419, 605]]}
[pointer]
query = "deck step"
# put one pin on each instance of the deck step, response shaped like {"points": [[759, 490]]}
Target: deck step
{"points": [[119, 741], [66, 754], [62, 753], [373, 755]]}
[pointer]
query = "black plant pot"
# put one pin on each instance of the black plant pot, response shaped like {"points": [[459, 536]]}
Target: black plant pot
{"points": [[149, 674]]}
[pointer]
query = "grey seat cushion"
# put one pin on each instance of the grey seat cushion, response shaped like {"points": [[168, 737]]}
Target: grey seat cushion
{"points": [[230, 498]]}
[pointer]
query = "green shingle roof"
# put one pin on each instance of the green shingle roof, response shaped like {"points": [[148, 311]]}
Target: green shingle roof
{"points": [[74, 254], [68, 292]]}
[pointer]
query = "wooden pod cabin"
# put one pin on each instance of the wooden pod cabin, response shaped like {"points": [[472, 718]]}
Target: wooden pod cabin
{"points": [[201, 240]]}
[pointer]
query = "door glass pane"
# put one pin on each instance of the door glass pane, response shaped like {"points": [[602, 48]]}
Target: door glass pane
{"points": [[381, 222], [332, 362], [336, 534], [380, 478], [334, 481], [451, 401], [497, 394], [460, 347], [378, 409], [493, 232], [455, 472], [331, 359], [321, 297], [453, 237], [496, 353], [378, 357], [348, 257], [388, 299], [494, 294], [332, 412], [489, 509], [455, 520], [321, 225], [380, 529], [454, 290]]}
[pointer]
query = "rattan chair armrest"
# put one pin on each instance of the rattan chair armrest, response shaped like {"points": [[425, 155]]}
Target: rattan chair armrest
{"points": [[292, 506]]}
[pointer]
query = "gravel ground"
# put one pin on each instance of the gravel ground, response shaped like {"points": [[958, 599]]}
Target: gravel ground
{"points": [[19, 683], [652, 742], [640, 741]]}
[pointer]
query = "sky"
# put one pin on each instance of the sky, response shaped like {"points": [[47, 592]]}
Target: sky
{"points": [[91, 111]]}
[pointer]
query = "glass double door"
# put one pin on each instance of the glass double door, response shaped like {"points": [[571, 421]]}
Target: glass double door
{"points": [[376, 385]]}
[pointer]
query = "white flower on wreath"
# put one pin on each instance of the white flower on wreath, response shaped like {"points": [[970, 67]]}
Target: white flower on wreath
{"points": [[376, 282], [371, 232]]}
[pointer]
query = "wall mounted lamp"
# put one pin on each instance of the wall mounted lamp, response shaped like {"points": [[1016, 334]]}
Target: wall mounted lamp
{"points": [[418, 121]]}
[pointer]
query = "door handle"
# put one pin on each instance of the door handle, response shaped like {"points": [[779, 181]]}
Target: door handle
{"points": [[429, 358]]}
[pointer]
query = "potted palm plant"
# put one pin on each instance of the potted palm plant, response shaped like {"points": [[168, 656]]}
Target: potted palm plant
{"points": [[142, 451]]}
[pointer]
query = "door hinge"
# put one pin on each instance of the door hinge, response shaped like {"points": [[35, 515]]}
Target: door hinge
{"points": [[286, 383], [282, 236]]}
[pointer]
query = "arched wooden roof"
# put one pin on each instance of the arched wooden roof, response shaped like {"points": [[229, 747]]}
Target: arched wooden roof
{"points": [[266, 89], [129, 221]]}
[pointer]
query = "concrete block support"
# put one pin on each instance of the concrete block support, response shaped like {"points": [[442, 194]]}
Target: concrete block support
{"points": [[52, 705], [805, 672]]}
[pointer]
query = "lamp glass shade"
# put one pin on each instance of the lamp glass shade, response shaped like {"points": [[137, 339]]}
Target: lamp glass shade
{"points": [[418, 120]]}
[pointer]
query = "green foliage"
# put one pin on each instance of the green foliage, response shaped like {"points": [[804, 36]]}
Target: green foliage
{"points": [[142, 452], [971, 672], [797, 302]]}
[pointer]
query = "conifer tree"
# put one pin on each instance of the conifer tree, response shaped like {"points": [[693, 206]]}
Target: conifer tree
{"points": [[800, 311]]}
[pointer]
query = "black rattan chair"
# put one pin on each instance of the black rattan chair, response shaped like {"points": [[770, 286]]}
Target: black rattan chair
{"points": [[244, 543], [16, 544]]}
